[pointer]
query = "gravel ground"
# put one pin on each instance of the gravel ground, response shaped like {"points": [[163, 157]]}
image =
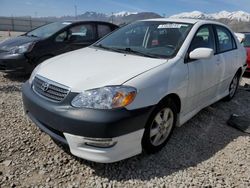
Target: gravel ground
{"points": [[205, 152]]}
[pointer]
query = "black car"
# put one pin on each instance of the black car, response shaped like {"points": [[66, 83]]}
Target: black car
{"points": [[23, 53]]}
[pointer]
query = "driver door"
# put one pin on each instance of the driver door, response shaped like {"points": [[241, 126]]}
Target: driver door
{"points": [[203, 73], [75, 37]]}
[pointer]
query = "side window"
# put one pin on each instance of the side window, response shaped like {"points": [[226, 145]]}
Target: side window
{"points": [[62, 37], [204, 38], [103, 30], [81, 33], [225, 40]]}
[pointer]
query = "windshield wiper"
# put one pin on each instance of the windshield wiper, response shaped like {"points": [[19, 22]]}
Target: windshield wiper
{"points": [[129, 50], [32, 35], [106, 48]]}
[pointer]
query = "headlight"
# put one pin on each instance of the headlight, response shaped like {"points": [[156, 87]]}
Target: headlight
{"points": [[33, 74], [105, 98], [23, 48]]}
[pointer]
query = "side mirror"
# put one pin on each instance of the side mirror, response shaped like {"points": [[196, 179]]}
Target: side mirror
{"points": [[201, 53]]}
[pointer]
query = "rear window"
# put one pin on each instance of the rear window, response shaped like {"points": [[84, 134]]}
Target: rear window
{"points": [[246, 42], [103, 30]]}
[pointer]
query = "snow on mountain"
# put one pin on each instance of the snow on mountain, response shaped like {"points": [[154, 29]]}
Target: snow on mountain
{"points": [[241, 16], [124, 13], [237, 15], [194, 14], [221, 15]]}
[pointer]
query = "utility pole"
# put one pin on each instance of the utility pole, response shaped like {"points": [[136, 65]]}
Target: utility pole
{"points": [[75, 12]]}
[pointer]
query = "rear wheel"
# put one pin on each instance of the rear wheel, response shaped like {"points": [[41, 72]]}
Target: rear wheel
{"points": [[233, 86], [159, 127]]}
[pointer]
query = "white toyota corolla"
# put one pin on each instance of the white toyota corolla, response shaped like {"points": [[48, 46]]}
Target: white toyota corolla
{"points": [[127, 92]]}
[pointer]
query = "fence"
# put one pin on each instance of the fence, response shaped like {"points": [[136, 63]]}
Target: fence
{"points": [[20, 24]]}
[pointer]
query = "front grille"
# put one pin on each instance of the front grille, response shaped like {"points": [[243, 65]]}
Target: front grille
{"points": [[3, 67], [49, 89], [2, 51]]}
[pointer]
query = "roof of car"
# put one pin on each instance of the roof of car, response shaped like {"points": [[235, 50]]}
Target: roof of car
{"points": [[78, 21], [182, 20]]}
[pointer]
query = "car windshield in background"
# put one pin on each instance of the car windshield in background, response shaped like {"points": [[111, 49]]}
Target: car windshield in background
{"points": [[47, 30], [148, 38], [246, 42]]}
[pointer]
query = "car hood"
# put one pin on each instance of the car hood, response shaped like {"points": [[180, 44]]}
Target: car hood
{"points": [[16, 41], [90, 68]]}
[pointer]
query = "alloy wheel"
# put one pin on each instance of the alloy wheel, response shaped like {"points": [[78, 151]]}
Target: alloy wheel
{"points": [[161, 126]]}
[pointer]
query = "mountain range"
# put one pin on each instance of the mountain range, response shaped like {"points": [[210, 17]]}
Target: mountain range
{"points": [[117, 18], [123, 16], [239, 21], [240, 16]]}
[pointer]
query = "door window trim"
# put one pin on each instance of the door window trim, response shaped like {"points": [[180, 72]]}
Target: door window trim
{"points": [[235, 47]]}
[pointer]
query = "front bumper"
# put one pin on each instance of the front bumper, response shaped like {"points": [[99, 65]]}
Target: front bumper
{"points": [[14, 63], [73, 125]]}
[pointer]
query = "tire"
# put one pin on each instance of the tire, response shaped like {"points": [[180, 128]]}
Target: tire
{"points": [[158, 128], [233, 86]]}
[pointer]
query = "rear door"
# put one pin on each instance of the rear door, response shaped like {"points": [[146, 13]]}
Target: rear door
{"points": [[81, 35], [203, 73], [228, 55]]}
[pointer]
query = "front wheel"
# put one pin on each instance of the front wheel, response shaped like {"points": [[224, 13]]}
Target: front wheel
{"points": [[159, 127]]}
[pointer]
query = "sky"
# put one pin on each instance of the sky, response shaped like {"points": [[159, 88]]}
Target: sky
{"points": [[43, 8]]}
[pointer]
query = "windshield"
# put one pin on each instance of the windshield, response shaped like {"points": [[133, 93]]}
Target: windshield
{"points": [[47, 30], [155, 39], [246, 42]]}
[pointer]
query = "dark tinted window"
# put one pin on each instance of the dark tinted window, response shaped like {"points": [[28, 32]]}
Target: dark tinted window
{"points": [[204, 38], [226, 42], [246, 42], [81, 33], [103, 30]]}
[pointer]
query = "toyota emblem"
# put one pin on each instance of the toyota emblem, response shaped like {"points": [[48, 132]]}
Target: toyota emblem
{"points": [[45, 86]]}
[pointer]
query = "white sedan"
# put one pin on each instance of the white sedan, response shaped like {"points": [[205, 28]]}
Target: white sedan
{"points": [[127, 92]]}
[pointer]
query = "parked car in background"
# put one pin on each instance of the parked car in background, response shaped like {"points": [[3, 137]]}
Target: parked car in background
{"points": [[246, 44], [23, 53], [128, 91]]}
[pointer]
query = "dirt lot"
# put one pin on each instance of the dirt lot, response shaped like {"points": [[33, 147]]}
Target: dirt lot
{"points": [[204, 152]]}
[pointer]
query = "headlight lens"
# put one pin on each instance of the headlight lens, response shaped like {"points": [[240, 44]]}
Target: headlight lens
{"points": [[23, 48], [33, 74], [105, 98]]}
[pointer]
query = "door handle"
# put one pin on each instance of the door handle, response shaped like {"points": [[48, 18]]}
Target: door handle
{"points": [[218, 62]]}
